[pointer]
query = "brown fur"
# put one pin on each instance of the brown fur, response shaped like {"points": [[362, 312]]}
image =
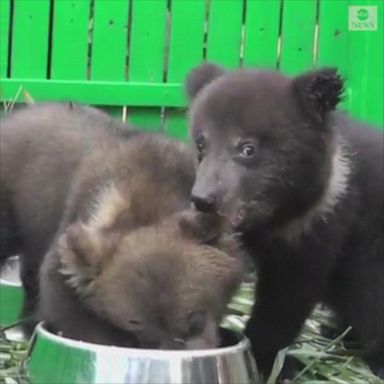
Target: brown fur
{"points": [[41, 148], [121, 258], [127, 262], [147, 288]]}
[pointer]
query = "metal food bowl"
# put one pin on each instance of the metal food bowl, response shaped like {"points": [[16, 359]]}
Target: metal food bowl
{"points": [[53, 359]]}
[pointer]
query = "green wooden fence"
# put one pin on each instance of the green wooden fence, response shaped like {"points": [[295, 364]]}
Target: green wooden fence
{"points": [[131, 56]]}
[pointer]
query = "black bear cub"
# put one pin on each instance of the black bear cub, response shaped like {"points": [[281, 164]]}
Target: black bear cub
{"points": [[304, 185], [110, 250]]}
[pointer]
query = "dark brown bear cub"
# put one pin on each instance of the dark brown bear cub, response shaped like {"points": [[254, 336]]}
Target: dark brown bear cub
{"points": [[109, 210], [304, 184]]}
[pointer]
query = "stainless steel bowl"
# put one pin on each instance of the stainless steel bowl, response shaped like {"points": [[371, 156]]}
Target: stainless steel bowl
{"points": [[53, 359]]}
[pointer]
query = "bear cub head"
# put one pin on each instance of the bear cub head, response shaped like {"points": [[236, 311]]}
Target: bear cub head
{"points": [[164, 286], [264, 144]]}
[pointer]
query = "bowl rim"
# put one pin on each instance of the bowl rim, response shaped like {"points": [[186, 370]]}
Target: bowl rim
{"points": [[241, 346], [10, 283]]}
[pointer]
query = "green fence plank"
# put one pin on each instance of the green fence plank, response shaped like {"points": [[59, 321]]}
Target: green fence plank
{"points": [[366, 68], [175, 123], [187, 37], [110, 36], [146, 54], [114, 111], [298, 29], [358, 54], [5, 7], [109, 44], [333, 39], [185, 52], [353, 52], [225, 32], [145, 118], [30, 39], [262, 33], [147, 40], [148, 119], [374, 62], [70, 39], [96, 92], [333, 35]]}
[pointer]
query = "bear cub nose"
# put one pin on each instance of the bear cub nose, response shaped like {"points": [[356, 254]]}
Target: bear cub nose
{"points": [[205, 204]]}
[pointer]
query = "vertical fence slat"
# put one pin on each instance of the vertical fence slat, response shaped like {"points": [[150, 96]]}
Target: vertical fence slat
{"points": [[187, 37], [357, 54], [5, 14], [333, 38], [224, 32], [70, 39], [333, 34], [146, 56], [147, 40], [175, 123], [110, 36], [262, 33], [374, 71], [30, 39], [110, 40], [298, 29], [185, 52]]}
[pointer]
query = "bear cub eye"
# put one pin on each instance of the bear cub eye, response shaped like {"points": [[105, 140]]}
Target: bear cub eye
{"points": [[247, 150]]}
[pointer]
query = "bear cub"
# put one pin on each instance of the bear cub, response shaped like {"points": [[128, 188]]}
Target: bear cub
{"points": [[303, 183], [110, 251]]}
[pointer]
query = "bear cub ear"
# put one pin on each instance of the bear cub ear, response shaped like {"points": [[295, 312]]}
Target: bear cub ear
{"points": [[82, 252], [200, 76], [320, 91]]}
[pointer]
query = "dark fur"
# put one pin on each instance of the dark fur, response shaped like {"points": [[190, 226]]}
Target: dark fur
{"points": [[122, 265], [306, 249]]}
